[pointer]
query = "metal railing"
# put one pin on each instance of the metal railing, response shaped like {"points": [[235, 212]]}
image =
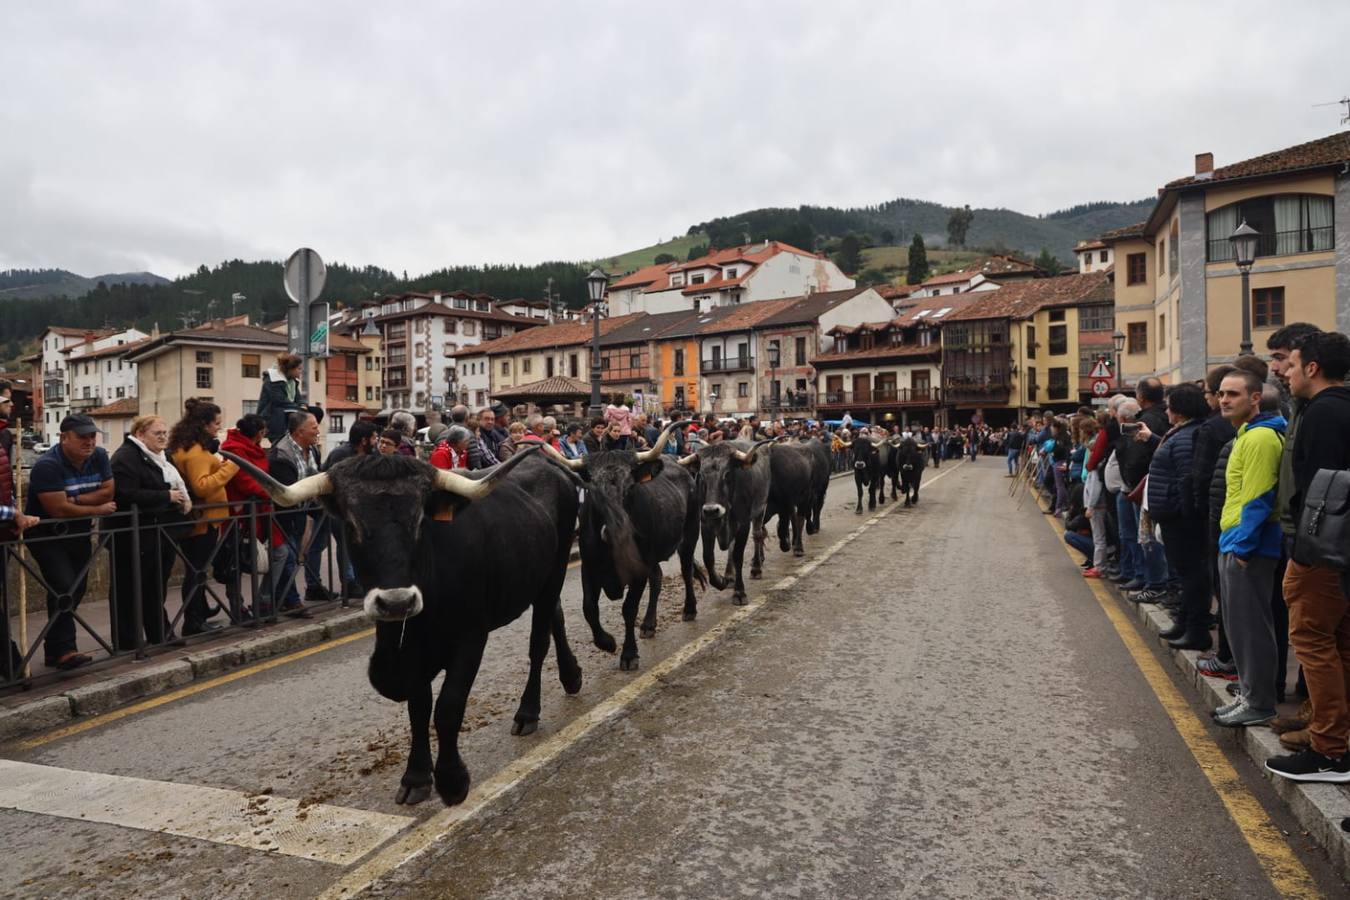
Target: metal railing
{"points": [[882, 397], [138, 566], [727, 364], [1278, 243]]}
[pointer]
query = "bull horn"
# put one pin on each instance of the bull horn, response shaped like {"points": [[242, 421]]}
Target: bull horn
{"points": [[689, 460], [285, 494], [471, 489], [662, 439], [876, 442], [575, 465], [749, 457]]}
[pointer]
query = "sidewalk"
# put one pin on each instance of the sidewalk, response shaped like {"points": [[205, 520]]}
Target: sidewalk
{"points": [[1323, 810]]}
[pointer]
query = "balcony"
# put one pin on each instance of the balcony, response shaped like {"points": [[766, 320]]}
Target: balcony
{"points": [[876, 398], [1278, 243], [85, 402], [726, 364], [791, 401], [992, 389]]}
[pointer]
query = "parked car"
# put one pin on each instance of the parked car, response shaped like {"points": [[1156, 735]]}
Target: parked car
{"points": [[28, 440], [41, 447]]}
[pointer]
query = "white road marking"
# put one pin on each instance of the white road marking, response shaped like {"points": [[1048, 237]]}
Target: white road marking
{"points": [[503, 783], [330, 834]]}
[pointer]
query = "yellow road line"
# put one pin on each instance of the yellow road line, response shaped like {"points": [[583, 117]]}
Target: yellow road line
{"points": [[1272, 851], [188, 691], [482, 796]]}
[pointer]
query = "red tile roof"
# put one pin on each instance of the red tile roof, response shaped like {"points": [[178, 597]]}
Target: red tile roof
{"points": [[114, 350], [886, 351], [745, 316], [127, 406], [647, 275], [557, 386], [1333, 150], [754, 253], [80, 332], [1117, 234], [1021, 300], [561, 334], [949, 278], [811, 307]]}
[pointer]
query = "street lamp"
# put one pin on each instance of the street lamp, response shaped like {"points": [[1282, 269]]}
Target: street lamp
{"points": [[1118, 341], [1244, 251], [596, 282], [773, 380]]}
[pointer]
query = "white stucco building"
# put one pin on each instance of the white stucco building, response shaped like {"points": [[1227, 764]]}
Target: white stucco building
{"points": [[97, 373]]}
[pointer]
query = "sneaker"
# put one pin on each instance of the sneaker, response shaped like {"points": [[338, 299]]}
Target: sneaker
{"points": [[1233, 688], [1092, 572], [1134, 584], [1243, 716], [1309, 765], [1111, 573], [1296, 740], [1226, 708], [1148, 595], [1213, 667]]}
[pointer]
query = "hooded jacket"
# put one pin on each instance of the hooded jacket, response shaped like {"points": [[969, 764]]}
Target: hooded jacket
{"points": [[244, 486], [280, 396], [1171, 482], [1250, 521], [1323, 443]]}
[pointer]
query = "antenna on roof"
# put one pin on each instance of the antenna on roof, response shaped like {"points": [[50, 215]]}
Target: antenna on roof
{"points": [[1344, 101]]}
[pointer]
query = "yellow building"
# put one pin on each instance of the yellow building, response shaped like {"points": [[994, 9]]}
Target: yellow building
{"points": [[1178, 290]]}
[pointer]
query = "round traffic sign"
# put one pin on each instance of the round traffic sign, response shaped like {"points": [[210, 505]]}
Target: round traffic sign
{"points": [[305, 275], [1101, 387]]}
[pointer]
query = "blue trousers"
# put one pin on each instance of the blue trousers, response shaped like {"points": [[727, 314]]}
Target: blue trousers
{"points": [[1012, 462], [1131, 555], [1080, 542]]}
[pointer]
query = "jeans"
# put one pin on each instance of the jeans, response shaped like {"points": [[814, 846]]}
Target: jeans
{"points": [[1131, 556], [1012, 462], [1156, 574], [1080, 542], [281, 579], [320, 538], [64, 565]]}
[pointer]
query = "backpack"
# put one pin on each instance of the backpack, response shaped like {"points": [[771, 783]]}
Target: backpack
{"points": [[1111, 476], [1323, 536]]}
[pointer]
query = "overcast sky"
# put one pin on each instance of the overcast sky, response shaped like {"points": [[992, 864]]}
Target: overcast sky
{"points": [[161, 135]]}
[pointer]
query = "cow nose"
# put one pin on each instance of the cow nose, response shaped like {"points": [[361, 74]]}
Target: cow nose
{"points": [[714, 510], [393, 604]]}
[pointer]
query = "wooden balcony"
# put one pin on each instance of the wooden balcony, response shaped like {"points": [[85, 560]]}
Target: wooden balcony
{"points": [[879, 398]]}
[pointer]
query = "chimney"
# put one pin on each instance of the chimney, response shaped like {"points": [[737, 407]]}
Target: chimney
{"points": [[1204, 163], [88, 337], [436, 297]]}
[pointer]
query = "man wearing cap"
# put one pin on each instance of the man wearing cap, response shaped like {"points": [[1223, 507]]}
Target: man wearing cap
{"points": [[73, 480]]}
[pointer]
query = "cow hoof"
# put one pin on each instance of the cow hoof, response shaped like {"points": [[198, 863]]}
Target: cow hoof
{"points": [[453, 786], [798, 551], [738, 599], [523, 726], [629, 665], [756, 574], [411, 795], [606, 642], [571, 680], [648, 631], [689, 615], [858, 511], [784, 546]]}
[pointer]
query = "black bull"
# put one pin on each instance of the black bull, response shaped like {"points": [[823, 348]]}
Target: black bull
{"points": [[799, 473], [733, 492], [911, 460], [446, 560], [639, 510]]}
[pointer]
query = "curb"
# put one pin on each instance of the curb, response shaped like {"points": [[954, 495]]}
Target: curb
{"points": [[210, 660], [1319, 808]]}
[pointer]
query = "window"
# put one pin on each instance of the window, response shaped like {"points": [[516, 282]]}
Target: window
{"points": [[800, 350], [450, 326], [398, 355], [679, 361], [525, 366], [1102, 256], [450, 348], [335, 424], [370, 392], [743, 389], [370, 363], [1162, 256], [398, 331], [351, 393], [250, 365], [203, 378], [318, 372], [1031, 383], [696, 279], [635, 360], [471, 327], [418, 351], [1059, 384], [1096, 318], [121, 392], [1137, 334], [203, 356], [1059, 339], [1287, 223], [377, 391], [1031, 342], [506, 367], [1088, 356], [1056, 315], [1268, 307], [110, 365], [1173, 248], [250, 407]]}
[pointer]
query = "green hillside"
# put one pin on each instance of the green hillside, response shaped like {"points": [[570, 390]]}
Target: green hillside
{"points": [[624, 263]]}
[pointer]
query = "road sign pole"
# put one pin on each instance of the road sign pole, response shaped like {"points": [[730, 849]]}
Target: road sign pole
{"points": [[304, 321]]}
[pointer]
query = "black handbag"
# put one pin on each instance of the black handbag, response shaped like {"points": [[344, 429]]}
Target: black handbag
{"points": [[1323, 536]]}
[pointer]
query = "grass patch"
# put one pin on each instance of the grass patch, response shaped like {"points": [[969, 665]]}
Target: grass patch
{"points": [[635, 259]]}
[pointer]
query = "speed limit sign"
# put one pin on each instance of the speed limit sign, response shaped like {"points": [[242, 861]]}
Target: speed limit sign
{"points": [[1100, 387]]}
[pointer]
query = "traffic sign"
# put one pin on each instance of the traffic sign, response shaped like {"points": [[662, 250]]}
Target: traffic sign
{"points": [[1100, 387], [305, 275], [1101, 369], [318, 328]]}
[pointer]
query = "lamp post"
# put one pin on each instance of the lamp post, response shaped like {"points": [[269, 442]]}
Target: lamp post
{"points": [[1244, 251], [596, 282], [1118, 342], [773, 381]]}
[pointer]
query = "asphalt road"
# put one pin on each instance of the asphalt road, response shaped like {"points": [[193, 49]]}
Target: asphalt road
{"points": [[940, 709]]}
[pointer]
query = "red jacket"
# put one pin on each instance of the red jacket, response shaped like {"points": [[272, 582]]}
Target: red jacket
{"points": [[445, 457], [244, 486]]}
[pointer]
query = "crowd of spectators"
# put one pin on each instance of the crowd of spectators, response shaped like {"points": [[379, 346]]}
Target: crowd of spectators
{"points": [[1190, 495]]}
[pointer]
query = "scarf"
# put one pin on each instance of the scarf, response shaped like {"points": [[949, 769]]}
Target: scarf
{"points": [[172, 476]]}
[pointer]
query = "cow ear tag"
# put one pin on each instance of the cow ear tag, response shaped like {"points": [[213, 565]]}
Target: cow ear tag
{"points": [[445, 512], [645, 478]]}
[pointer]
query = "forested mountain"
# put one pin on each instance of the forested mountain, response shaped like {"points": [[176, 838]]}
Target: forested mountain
{"points": [[896, 222], [21, 283]]}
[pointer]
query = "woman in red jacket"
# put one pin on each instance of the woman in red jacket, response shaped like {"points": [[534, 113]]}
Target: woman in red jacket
{"points": [[245, 441]]}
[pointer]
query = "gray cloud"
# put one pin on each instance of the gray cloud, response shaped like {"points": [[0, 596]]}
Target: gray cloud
{"points": [[163, 135]]}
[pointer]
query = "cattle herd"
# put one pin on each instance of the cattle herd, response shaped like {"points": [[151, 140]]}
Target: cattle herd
{"points": [[448, 557]]}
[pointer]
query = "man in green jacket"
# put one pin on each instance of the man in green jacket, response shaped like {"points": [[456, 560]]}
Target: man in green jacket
{"points": [[1249, 548]]}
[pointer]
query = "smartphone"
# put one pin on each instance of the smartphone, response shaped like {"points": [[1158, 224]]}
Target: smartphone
{"points": [[1129, 427]]}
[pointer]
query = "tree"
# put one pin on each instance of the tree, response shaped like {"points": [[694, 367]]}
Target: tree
{"points": [[958, 223], [849, 257], [873, 276], [663, 258], [1048, 262], [918, 261], [887, 237], [696, 251]]}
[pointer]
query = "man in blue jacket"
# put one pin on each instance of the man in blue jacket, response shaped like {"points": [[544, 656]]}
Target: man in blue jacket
{"points": [[1249, 548]]}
